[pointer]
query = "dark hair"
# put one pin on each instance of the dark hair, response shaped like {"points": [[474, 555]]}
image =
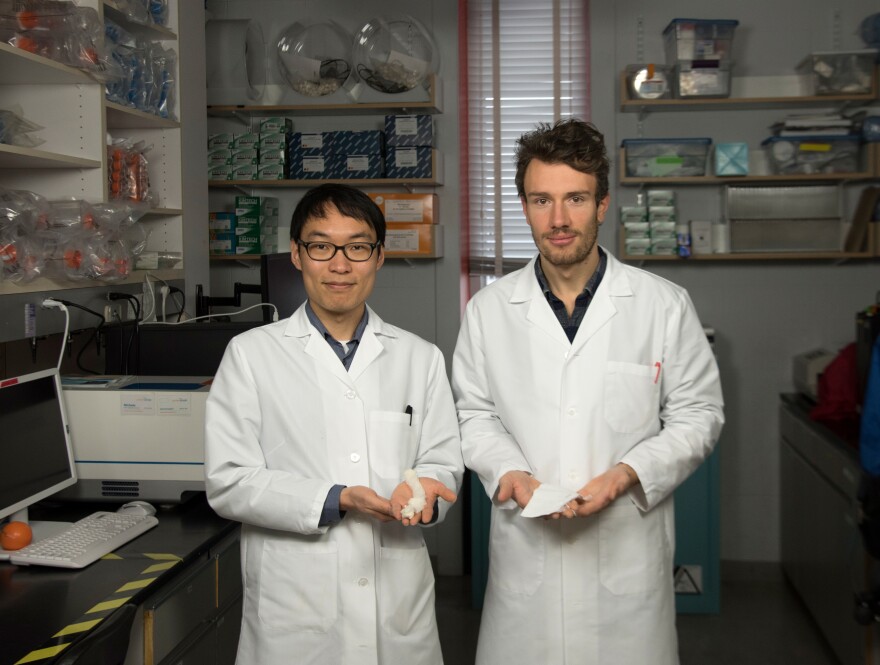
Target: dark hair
{"points": [[573, 142], [346, 199]]}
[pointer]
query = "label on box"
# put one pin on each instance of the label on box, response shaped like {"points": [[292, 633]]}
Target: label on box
{"points": [[406, 125], [358, 163], [313, 164], [404, 211], [402, 240], [312, 141], [406, 158]]}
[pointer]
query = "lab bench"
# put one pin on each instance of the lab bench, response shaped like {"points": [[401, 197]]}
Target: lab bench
{"points": [[822, 552], [183, 578]]}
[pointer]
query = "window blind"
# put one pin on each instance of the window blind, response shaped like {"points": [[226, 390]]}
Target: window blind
{"points": [[527, 62]]}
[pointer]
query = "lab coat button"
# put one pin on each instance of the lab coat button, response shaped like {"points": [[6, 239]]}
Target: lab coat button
{"points": [[572, 412], [350, 394], [363, 581], [354, 457]]}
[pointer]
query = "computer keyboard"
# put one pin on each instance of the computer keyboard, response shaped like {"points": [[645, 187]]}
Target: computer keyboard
{"points": [[85, 541]]}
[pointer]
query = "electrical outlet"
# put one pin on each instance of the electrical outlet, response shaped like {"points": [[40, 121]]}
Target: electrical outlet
{"points": [[108, 313]]}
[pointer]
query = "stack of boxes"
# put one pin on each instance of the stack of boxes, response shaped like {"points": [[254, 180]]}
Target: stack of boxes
{"points": [[252, 155], [251, 229], [650, 226], [700, 51], [410, 140], [412, 227], [339, 155]]}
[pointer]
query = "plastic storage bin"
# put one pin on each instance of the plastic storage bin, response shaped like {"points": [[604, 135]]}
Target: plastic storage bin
{"points": [[701, 78], [652, 158], [840, 72], [698, 39], [789, 155]]}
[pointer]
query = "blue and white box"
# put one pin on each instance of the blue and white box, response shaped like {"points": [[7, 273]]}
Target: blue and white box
{"points": [[415, 131], [409, 163], [312, 143], [358, 143]]}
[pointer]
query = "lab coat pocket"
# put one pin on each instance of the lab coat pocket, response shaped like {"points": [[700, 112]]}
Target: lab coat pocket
{"points": [[406, 591], [633, 551], [298, 583], [516, 552], [630, 396], [391, 442]]}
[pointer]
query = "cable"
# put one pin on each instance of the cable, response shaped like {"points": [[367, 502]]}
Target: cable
{"points": [[51, 302], [95, 331], [164, 290], [182, 307], [125, 349], [211, 316]]}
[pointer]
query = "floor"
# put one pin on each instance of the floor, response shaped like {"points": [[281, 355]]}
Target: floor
{"points": [[762, 620]]}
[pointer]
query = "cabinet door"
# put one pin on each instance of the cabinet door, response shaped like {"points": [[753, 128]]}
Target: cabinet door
{"points": [[178, 612], [822, 553]]}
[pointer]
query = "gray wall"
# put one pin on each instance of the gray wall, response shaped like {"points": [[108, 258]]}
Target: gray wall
{"points": [[764, 313]]}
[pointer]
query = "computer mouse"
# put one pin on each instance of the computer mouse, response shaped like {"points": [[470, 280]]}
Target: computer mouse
{"points": [[137, 507]]}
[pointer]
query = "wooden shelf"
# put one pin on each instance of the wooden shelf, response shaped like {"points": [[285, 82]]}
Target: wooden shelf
{"points": [[45, 284], [433, 105], [638, 181], [124, 117], [13, 156], [628, 105], [751, 256], [163, 212], [293, 184], [21, 67]]}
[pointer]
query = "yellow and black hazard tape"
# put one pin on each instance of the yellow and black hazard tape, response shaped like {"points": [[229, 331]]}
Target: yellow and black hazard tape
{"points": [[100, 611]]}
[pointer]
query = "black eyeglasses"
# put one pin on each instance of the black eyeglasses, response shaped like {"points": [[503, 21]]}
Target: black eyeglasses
{"points": [[353, 251]]}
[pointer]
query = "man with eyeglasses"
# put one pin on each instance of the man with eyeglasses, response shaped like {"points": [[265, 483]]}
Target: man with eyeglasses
{"points": [[311, 423], [587, 392]]}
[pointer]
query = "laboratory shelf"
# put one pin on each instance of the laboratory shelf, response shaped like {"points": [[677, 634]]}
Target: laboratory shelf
{"points": [[124, 117], [293, 184], [145, 30], [21, 67], [44, 284], [18, 157], [628, 105]]}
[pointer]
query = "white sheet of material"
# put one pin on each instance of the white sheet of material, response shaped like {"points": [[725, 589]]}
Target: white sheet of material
{"points": [[548, 499]]}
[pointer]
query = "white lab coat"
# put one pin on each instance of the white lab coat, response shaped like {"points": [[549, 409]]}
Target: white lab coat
{"points": [[599, 589], [285, 422]]}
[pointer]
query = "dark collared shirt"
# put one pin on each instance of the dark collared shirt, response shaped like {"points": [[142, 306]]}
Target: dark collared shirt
{"points": [[570, 324], [330, 514], [346, 354]]}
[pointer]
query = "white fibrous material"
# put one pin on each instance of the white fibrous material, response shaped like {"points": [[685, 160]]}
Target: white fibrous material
{"points": [[417, 503]]}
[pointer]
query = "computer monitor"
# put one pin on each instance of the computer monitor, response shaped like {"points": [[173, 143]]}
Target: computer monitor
{"points": [[282, 285], [37, 455]]}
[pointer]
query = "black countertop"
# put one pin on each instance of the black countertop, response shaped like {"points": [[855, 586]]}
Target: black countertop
{"points": [[37, 601]]}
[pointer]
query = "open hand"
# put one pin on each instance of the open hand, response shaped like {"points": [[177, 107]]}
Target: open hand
{"points": [[365, 501], [434, 489]]}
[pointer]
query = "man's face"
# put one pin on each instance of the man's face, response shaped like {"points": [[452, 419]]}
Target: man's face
{"points": [[560, 207], [337, 287]]}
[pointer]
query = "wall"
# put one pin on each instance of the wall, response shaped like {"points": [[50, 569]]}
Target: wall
{"points": [[764, 313], [421, 296]]}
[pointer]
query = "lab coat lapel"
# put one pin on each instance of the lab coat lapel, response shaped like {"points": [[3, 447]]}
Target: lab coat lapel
{"points": [[315, 345], [602, 308], [538, 313], [370, 346]]}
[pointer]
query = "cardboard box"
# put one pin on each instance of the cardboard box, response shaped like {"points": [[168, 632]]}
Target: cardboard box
{"points": [[219, 157], [224, 172], [246, 140], [358, 143], [412, 208], [701, 237], [272, 171], [223, 141], [409, 131], [274, 124], [221, 221], [357, 166], [404, 240], [414, 163], [313, 144], [272, 141], [310, 167]]}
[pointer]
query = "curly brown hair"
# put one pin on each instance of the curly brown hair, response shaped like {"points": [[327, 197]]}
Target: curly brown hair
{"points": [[573, 142]]}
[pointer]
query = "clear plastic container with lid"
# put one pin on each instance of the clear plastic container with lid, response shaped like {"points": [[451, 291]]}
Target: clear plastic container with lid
{"points": [[699, 39]]}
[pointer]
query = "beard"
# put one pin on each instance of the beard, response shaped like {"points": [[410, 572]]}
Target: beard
{"points": [[572, 255]]}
